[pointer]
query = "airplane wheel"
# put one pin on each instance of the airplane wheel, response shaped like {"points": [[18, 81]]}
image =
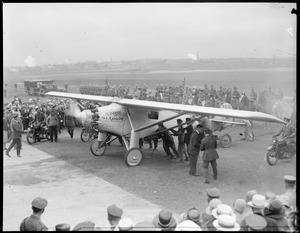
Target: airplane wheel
{"points": [[133, 157], [225, 140], [98, 148]]}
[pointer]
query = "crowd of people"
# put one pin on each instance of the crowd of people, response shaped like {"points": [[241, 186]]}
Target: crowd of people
{"points": [[253, 212], [192, 95]]}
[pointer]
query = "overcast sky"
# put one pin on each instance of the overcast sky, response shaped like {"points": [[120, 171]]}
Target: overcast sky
{"points": [[48, 33]]}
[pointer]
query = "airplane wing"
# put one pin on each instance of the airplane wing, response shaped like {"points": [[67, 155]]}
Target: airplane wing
{"points": [[180, 108], [228, 122]]}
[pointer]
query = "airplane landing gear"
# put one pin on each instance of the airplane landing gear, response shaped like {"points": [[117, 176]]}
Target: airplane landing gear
{"points": [[225, 140], [98, 148], [133, 157]]}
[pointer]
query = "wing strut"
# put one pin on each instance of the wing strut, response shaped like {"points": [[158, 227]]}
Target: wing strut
{"points": [[156, 123]]}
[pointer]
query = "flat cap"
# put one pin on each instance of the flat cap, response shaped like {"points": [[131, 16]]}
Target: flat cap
{"points": [[255, 222], [290, 179], [39, 203], [84, 226], [114, 211], [62, 227], [213, 192]]}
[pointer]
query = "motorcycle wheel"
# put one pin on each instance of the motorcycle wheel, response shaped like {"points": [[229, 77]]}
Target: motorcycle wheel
{"points": [[271, 158], [85, 136], [30, 137], [47, 133]]}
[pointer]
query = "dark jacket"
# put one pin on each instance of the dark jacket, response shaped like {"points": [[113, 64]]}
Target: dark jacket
{"points": [[166, 136], [17, 128], [179, 133], [195, 142], [189, 130], [69, 121], [32, 223], [209, 145]]}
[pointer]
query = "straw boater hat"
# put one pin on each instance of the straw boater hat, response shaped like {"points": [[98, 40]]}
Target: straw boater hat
{"points": [[226, 223], [164, 220], [223, 209], [213, 203], [258, 201], [188, 225], [290, 179], [125, 224]]}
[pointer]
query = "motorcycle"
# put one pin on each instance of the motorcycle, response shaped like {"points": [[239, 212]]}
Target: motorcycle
{"points": [[88, 133], [279, 150], [34, 135]]}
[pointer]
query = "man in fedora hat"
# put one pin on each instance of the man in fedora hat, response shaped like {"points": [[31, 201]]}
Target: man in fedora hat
{"points": [[17, 129], [194, 148], [165, 221], [34, 222], [258, 204], [210, 155], [276, 211], [193, 214]]}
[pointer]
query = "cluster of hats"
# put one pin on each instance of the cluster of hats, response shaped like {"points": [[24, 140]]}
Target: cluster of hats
{"points": [[165, 221], [225, 218]]}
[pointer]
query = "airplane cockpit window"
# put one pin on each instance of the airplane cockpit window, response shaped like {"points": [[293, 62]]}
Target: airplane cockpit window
{"points": [[153, 115]]}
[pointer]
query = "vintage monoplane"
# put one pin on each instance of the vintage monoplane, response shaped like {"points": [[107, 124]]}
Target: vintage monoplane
{"points": [[135, 119]]}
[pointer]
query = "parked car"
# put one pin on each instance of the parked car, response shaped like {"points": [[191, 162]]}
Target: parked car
{"points": [[40, 87]]}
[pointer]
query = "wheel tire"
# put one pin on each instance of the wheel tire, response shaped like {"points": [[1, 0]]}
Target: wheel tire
{"points": [[30, 137], [133, 157], [84, 136], [225, 140], [98, 148], [48, 134], [271, 159]]}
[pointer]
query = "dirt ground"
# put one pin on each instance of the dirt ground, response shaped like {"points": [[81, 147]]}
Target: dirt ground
{"points": [[79, 186]]}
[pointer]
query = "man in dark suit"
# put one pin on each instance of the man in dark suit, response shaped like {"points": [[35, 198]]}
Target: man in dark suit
{"points": [[187, 136], [194, 148], [210, 155]]}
